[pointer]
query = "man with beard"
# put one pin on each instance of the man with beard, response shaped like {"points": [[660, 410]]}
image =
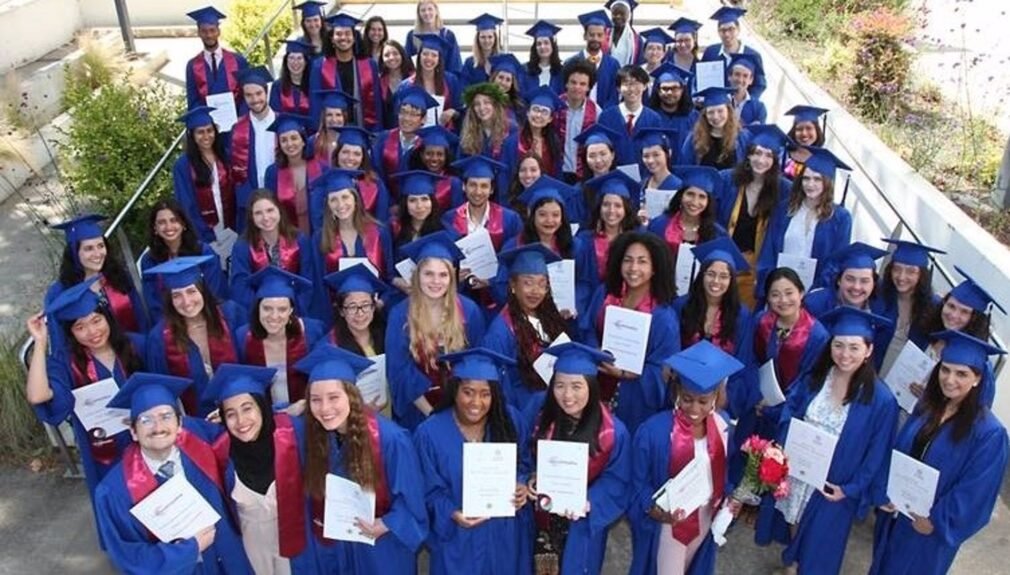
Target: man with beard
{"points": [[340, 69], [214, 70], [595, 26], [252, 144]]}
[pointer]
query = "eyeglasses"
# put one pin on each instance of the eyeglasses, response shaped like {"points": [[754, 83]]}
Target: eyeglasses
{"points": [[539, 111], [148, 421], [358, 309]]}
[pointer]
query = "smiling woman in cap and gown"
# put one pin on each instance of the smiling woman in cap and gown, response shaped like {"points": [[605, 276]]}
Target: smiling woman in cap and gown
{"points": [[345, 438], [473, 410], [167, 445], [202, 180]]}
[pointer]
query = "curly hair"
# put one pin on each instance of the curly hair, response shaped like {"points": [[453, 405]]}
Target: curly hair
{"points": [[922, 296], [662, 286], [703, 136], [356, 448], [526, 336], [471, 140], [533, 64], [113, 269]]}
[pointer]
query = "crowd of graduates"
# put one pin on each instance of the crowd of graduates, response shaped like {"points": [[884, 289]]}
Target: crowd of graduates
{"points": [[317, 236]]}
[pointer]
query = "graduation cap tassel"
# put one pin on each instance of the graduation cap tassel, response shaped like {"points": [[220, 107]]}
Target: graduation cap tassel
{"points": [[845, 192]]}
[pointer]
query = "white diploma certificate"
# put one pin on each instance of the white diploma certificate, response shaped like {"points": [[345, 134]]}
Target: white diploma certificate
{"points": [[89, 406], [562, 276], [406, 268], [810, 450], [804, 267], [489, 479], [563, 476], [632, 171], [224, 114], [348, 262], [626, 336], [656, 201], [372, 382], [911, 484], [689, 490], [911, 366], [544, 365], [431, 119], [709, 74], [480, 257], [175, 510], [685, 270], [771, 393], [346, 501]]}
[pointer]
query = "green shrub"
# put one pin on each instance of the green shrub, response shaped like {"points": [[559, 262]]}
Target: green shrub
{"points": [[21, 434], [801, 18], [245, 20], [882, 61]]}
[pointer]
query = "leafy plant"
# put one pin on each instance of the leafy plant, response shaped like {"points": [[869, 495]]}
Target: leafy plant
{"points": [[245, 20], [882, 61]]}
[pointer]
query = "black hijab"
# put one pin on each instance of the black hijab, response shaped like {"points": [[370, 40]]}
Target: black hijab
{"points": [[254, 460]]}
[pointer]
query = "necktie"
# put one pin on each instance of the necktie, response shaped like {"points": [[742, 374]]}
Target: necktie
{"points": [[631, 123], [213, 65], [166, 470]]}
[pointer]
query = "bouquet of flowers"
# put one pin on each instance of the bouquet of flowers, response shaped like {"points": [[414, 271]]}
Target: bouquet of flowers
{"points": [[767, 471]]}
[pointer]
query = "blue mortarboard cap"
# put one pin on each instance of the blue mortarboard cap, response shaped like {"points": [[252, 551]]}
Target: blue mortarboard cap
{"points": [[530, 259], [197, 117], [964, 349], [823, 162], [336, 179], [336, 99], [180, 272], [704, 178], [545, 96], [505, 63], [486, 22], [746, 60], [911, 253], [728, 14], [311, 8], [684, 26], [207, 15], [657, 36], [631, 4], [258, 75], [272, 281], [343, 20], [715, 96], [357, 278], [354, 136], [597, 134], [433, 42], [545, 188], [846, 320], [595, 18], [289, 123], [703, 366], [298, 47], [231, 379], [83, 227], [806, 113], [477, 167], [437, 136], [415, 96], [74, 302], [417, 182], [615, 182], [972, 294], [648, 137], [721, 249], [668, 72], [144, 391], [327, 361], [437, 245], [857, 256], [770, 137], [577, 359], [477, 363], [543, 29]]}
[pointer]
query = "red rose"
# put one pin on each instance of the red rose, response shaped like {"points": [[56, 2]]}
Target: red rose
{"points": [[770, 472]]}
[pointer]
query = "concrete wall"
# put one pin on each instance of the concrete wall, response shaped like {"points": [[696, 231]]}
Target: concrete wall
{"points": [[31, 28], [96, 13], [880, 180]]}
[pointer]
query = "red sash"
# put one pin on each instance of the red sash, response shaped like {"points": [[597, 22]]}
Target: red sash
{"points": [[608, 383], [373, 250], [241, 139], [121, 307], [287, 477], [289, 253], [588, 119], [293, 101], [230, 63], [673, 233], [391, 155], [221, 351], [726, 345], [328, 70], [103, 448], [297, 348], [495, 223], [601, 247], [140, 482], [682, 452], [368, 189], [526, 146], [287, 191], [787, 353], [532, 354], [205, 198], [366, 92], [443, 192]]}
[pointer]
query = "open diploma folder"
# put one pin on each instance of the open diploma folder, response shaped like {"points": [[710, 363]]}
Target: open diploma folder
{"points": [[175, 511]]}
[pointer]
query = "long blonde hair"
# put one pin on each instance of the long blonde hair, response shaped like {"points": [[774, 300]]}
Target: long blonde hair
{"points": [[424, 335], [703, 136], [417, 19], [362, 220], [471, 140]]}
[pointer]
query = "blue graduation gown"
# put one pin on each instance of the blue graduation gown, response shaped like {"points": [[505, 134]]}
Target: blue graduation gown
{"points": [[532, 82], [760, 83], [863, 447], [753, 112], [821, 300], [375, 94], [829, 235], [216, 85], [683, 124], [318, 208], [627, 151], [242, 291], [57, 338], [606, 78], [471, 74], [452, 60], [888, 307], [157, 361], [498, 546], [687, 156], [315, 330], [301, 101], [321, 308], [185, 192], [728, 192], [639, 398], [213, 278], [396, 551], [406, 380], [131, 548], [971, 472], [500, 338], [608, 494], [377, 157]]}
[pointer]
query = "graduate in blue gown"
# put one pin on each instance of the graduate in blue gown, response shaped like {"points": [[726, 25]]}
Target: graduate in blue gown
{"points": [[742, 70], [656, 152], [392, 148], [666, 539], [346, 438], [728, 18], [852, 273], [594, 26], [202, 179], [486, 40], [286, 96], [575, 540], [671, 99], [953, 432], [414, 341], [167, 445], [633, 83], [842, 396], [258, 451], [430, 21], [544, 66], [720, 124], [473, 410], [639, 278], [214, 70], [196, 334]]}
